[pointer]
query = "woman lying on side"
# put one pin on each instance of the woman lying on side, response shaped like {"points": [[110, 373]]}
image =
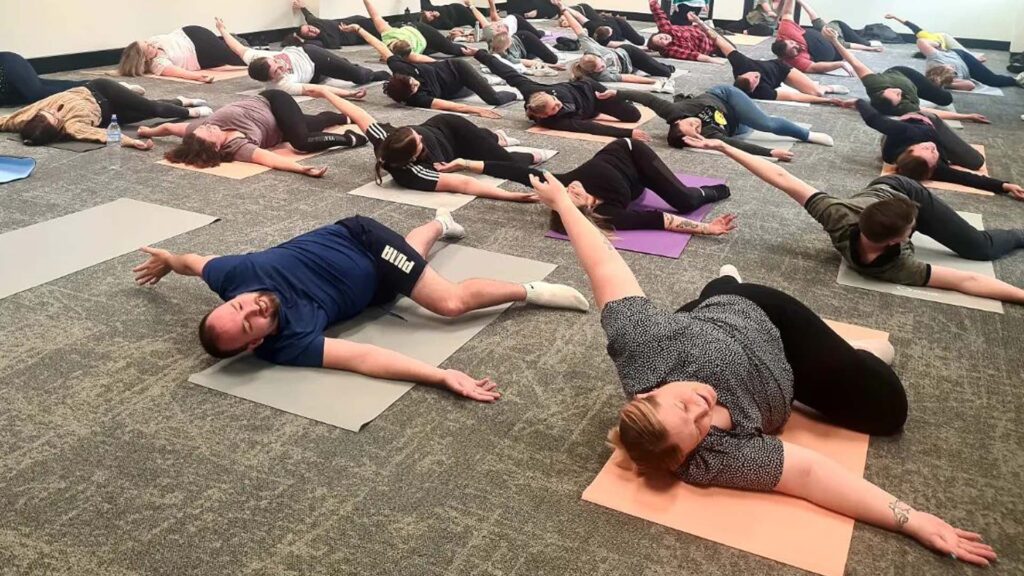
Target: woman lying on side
{"points": [[710, 384], [184, 53]]}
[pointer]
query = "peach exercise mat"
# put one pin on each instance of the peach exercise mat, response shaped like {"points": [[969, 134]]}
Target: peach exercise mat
{"points": [[646, 114], [775, 526], [220, 73], [891, 169], [241, 170]]}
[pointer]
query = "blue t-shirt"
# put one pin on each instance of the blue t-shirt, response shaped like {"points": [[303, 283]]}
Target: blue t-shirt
{"points": [[321, 278]]}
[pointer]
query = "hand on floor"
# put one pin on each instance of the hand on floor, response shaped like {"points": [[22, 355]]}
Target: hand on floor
{"points": [[721, 225], [314, 171], [464, 385], [933, 532]]}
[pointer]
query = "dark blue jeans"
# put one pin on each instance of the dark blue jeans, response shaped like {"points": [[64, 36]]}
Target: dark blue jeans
{"points": [[982, 74], [20, 85]]}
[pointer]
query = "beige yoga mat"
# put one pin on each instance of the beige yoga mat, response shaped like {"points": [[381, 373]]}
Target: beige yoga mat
{"points": [[891, 169], [646, 114], [49, 250], [242, 170], [221, 73], [745, 39], [930, 251], [350, 400], [774, 526]]}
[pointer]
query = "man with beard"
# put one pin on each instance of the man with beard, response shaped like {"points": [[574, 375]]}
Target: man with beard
{"points": [[279, 301]]}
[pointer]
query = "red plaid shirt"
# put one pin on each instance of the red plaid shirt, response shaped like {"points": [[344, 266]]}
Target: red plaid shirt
{"points": [[688, 42]]}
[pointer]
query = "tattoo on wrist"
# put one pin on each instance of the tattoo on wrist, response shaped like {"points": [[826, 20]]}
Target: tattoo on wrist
{"points": [[900, 512]]}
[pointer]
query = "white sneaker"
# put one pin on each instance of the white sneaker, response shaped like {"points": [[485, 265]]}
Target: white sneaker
{"points": [[730, 270], [542, 71], [190, 102], [509, 141], [200, 112], [450, 229], [134, 88], [1020, 81], [494, 80], [836, 89], [666, 86], [821, 138], [555, 296]]}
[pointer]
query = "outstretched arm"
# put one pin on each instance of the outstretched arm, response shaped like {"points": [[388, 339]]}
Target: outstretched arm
{"points": [[771, 173], [449, 106], [278, 162], [492, 10], [858, 67], [660, 19], [570, 19], [166, 129], [610, 276], [355, 114], [786, 12], [974, 284], [370, 39], [233, 44], [723, 45], [379, 22], [162, 262], [813, 477], [480, 18], [947, 115], [461, 184]]}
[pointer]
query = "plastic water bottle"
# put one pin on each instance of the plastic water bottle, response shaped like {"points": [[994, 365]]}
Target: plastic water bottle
{"points": [[114, 143], [476, 32]]}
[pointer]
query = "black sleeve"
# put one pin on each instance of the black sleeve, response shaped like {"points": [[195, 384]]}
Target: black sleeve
{"points": [[626, 219], [416, 177], [763, 92], [585, 126], [739, 62], [376, 133], [877, 121], [946, 173], [597, 86], [318, 22], [746, 146], [399, 66], [913, 27], [420, 99]]}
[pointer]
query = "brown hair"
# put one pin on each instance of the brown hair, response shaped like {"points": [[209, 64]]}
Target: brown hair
{"points": [[911, 166], [941, 76], [208, 339], [642, 436], [259, 69], [400, 48], [398, 87], [133, 61], [744, 84], [651, 46], [197, 152], [397, 150], [555, 222], [585, 66], [39, 131], [887, 219], [779, 48], [603, 34]]}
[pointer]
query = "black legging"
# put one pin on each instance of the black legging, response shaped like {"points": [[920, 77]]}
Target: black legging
{"points": [[535, 48], [544, 8], [953, 148], [449, 15], [303, 131], [849, 34], [473, 142], [524, 25], [130, 107], [327, 64], [474, 82], [437, 42], [925, 89], [20, 85], [849, 387], [643, 61], [621, 28], [211, 51], [936, 219]]}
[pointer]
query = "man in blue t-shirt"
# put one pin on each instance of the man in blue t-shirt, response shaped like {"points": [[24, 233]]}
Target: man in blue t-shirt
{"points": [[279, 301]]}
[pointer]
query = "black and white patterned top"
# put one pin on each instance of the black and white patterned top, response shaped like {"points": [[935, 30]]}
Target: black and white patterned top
{"points": [[729, 343]]}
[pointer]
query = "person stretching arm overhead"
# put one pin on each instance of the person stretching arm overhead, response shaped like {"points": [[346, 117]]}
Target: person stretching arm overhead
{"points": [[794, 48]]}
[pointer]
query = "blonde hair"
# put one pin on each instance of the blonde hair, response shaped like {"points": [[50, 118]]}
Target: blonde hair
{"points": [[585, 66], [500, 42], [642, 437], [536, 103], [133, 61], [940, 75]]}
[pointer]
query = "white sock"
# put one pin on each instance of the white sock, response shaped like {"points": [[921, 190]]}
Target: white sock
{"points": [[820, 138], [509, 141], [555, 296], [190, 102], [730, 270], [836, 89], [450, 229], [540, 155], [199, 112], [881, 348]]}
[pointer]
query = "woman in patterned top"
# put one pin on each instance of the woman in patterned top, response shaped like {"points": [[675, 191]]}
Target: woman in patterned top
{"points": [[711, 383]]}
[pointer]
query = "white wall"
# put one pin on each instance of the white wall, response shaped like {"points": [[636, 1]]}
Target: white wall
{"points": [[1017, 44], [73, 26]]}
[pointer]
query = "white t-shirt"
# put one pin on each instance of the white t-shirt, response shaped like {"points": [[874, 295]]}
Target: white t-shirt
{"points": [[301, 67], [178, 50]]}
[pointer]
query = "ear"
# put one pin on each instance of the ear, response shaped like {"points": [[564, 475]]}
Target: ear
{"points": [[253, 344], [645, 394]]}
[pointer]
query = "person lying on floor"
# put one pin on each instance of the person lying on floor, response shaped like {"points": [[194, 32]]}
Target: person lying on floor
{"points": [[279, 301], [568, 106], [326, 33], [923, 147], [295, 68], [872, 229], [21, 85], [762, 20], [711, 384], [414, 42], [614, 178], [446, 16], [435, 84], [943, 40], [247, 130], [411, 153], [723, 112], [806, 50], [957, 69], [679, 42], [536, 9], [83, 114], [515, 40], [899, 89], [184, 53], [616, 64], [761, 79], [607, 29]]}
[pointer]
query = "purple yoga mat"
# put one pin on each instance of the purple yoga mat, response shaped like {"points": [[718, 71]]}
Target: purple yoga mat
{"points": [[658, 242]]}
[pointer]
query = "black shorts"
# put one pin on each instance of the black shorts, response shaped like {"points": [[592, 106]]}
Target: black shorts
{"points": [[398, 264]]}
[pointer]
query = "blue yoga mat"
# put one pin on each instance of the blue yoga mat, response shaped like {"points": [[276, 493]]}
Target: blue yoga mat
{"points": [[15, 168]]}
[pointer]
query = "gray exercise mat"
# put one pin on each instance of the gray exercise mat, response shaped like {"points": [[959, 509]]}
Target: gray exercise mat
{"points": [[37, 254], [390, 191], [958, 124], [69, 145], [932, 252], [349, 400]]}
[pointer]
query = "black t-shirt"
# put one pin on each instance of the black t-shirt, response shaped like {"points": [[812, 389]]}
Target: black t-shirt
{"points": [[418, 174], [773, 73], [437, 80], [611, 177], [820, 49], [579, 106]]}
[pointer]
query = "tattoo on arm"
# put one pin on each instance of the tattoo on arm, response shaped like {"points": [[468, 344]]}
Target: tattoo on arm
{"points": [[900, 512], [679, 224]]}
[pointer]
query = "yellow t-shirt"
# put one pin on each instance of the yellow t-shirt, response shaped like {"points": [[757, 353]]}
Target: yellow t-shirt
{"points": [[933, 37]]}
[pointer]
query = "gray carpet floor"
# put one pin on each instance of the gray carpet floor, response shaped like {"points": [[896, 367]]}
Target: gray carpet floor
{"points": [[111, 463]]}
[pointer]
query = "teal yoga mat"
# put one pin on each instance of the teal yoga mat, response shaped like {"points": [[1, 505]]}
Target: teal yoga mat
{"points": [[15, 168]]}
